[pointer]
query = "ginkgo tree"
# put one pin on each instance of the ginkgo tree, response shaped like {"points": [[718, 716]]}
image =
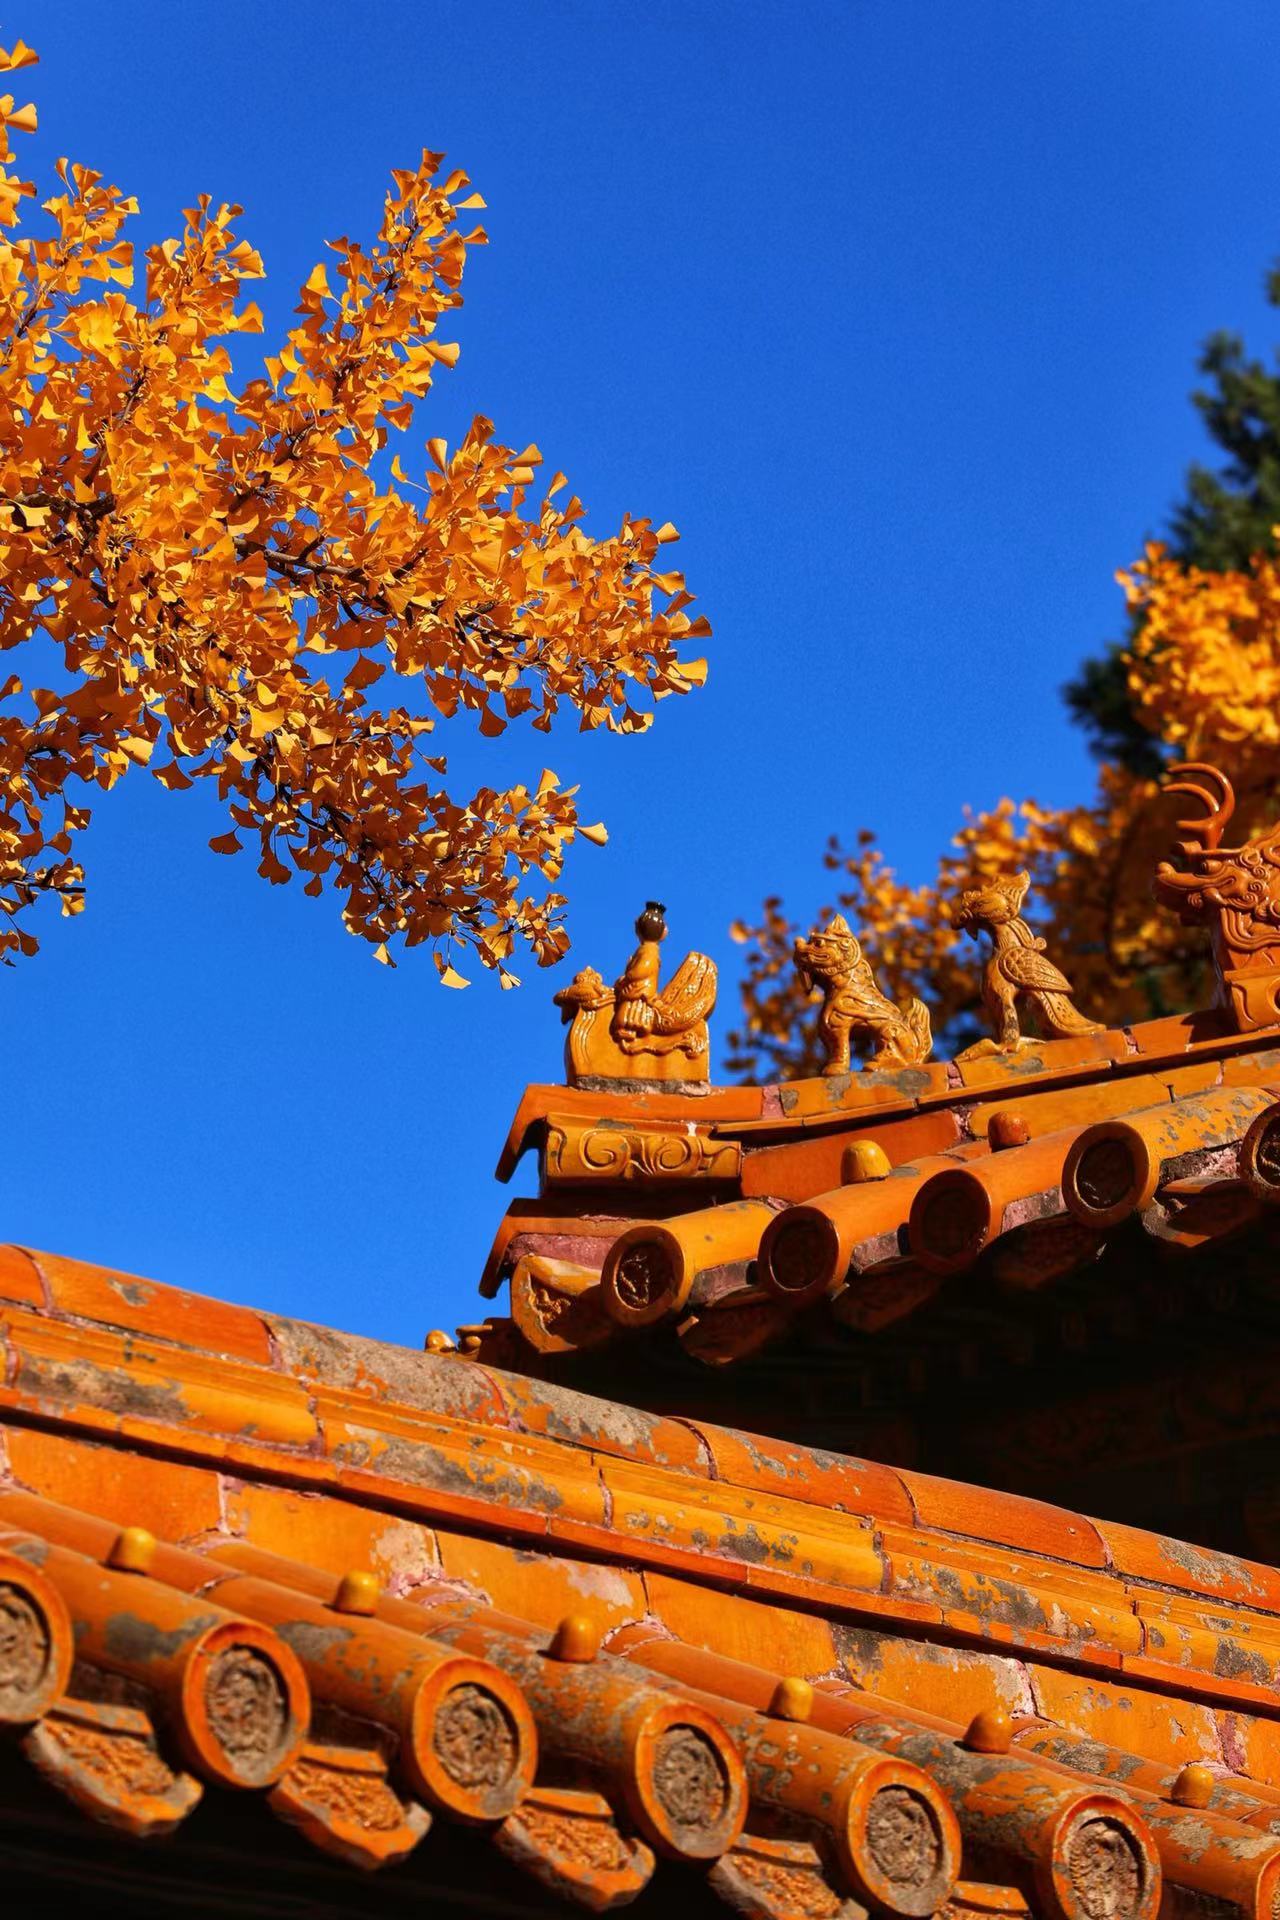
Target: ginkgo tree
{"points": [[222, 570]]}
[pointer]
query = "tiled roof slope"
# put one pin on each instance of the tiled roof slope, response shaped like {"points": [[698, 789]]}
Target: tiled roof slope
{"points": [[1051, 1272], [381, 1594]]}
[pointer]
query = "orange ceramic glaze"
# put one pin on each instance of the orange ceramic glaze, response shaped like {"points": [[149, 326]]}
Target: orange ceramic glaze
{"points": [[1233, 890], [761, 1465], [127, 1487], [600, 1426], [1208, 1854], [556, 1533], [539, 1588], [1193, 1785], [892, 1832], [947, 1683], [855, 1008], [653, 1269], [39, 1636], [1041, 1060], [78, 1289], [864, 1094], [1251, 1747], [587, 1713], [341, 1799], [66, 1366], [106, 1760], [1259, 1165], [979, 1595], [810, 1157], [557, 1226], [756, 1537], [750, 1629], [1203, 1640], [1115, 1167], [957, 1212], [1073, 1106], [1152, 1725], [86, 1533], [656, 1153], [646, 1741], [235, 1693], [330, 1534], [650, 1744], [467, 1741], [571, 1842], [807, 1250], [726, 1104], [1009, 1519], [1176, 1033], [787, 1550], [1066, 1848], [20, 1277], [1177, 1565]]}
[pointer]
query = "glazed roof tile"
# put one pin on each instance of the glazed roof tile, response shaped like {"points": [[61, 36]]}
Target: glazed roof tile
{"points": [[380, 1589], [641, 1227]]}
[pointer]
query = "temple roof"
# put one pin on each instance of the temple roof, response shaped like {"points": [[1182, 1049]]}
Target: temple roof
{"points": [[378, 1594], [1010, 1263], [309, 1606], [873, 1213]]}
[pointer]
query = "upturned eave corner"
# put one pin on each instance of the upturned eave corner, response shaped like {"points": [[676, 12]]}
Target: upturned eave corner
{"points": [[715, 1219]]}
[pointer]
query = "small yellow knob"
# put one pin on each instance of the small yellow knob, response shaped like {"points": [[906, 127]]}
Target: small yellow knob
{"points": [[990, 1731], [358, 1592], [1193, 1786], [438, 1342], [576, 1640], [133, 1551], [865, 1160], [792, 1699]]}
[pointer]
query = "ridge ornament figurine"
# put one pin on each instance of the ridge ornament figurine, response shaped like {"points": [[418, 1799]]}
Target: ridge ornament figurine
{"points": [[652, 1032], [1017, 970], [852, 1003]]}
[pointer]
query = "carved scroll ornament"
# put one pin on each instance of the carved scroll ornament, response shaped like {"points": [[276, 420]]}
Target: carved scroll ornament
{"points": [[577, 1150]]}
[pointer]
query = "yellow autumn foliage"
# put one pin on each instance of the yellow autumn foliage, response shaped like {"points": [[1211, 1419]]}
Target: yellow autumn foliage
{"points": [[1203, 670], [1204, 665], [227, 567]]}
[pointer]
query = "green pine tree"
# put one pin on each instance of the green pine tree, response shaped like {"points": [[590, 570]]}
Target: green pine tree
{"points": [[1226, 515]]}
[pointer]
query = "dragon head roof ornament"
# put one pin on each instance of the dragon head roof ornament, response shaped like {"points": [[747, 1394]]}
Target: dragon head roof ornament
{"points": [[1234, 891]]}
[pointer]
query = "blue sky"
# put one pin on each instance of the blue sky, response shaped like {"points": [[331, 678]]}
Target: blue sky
{"points": [[890, 307]]}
